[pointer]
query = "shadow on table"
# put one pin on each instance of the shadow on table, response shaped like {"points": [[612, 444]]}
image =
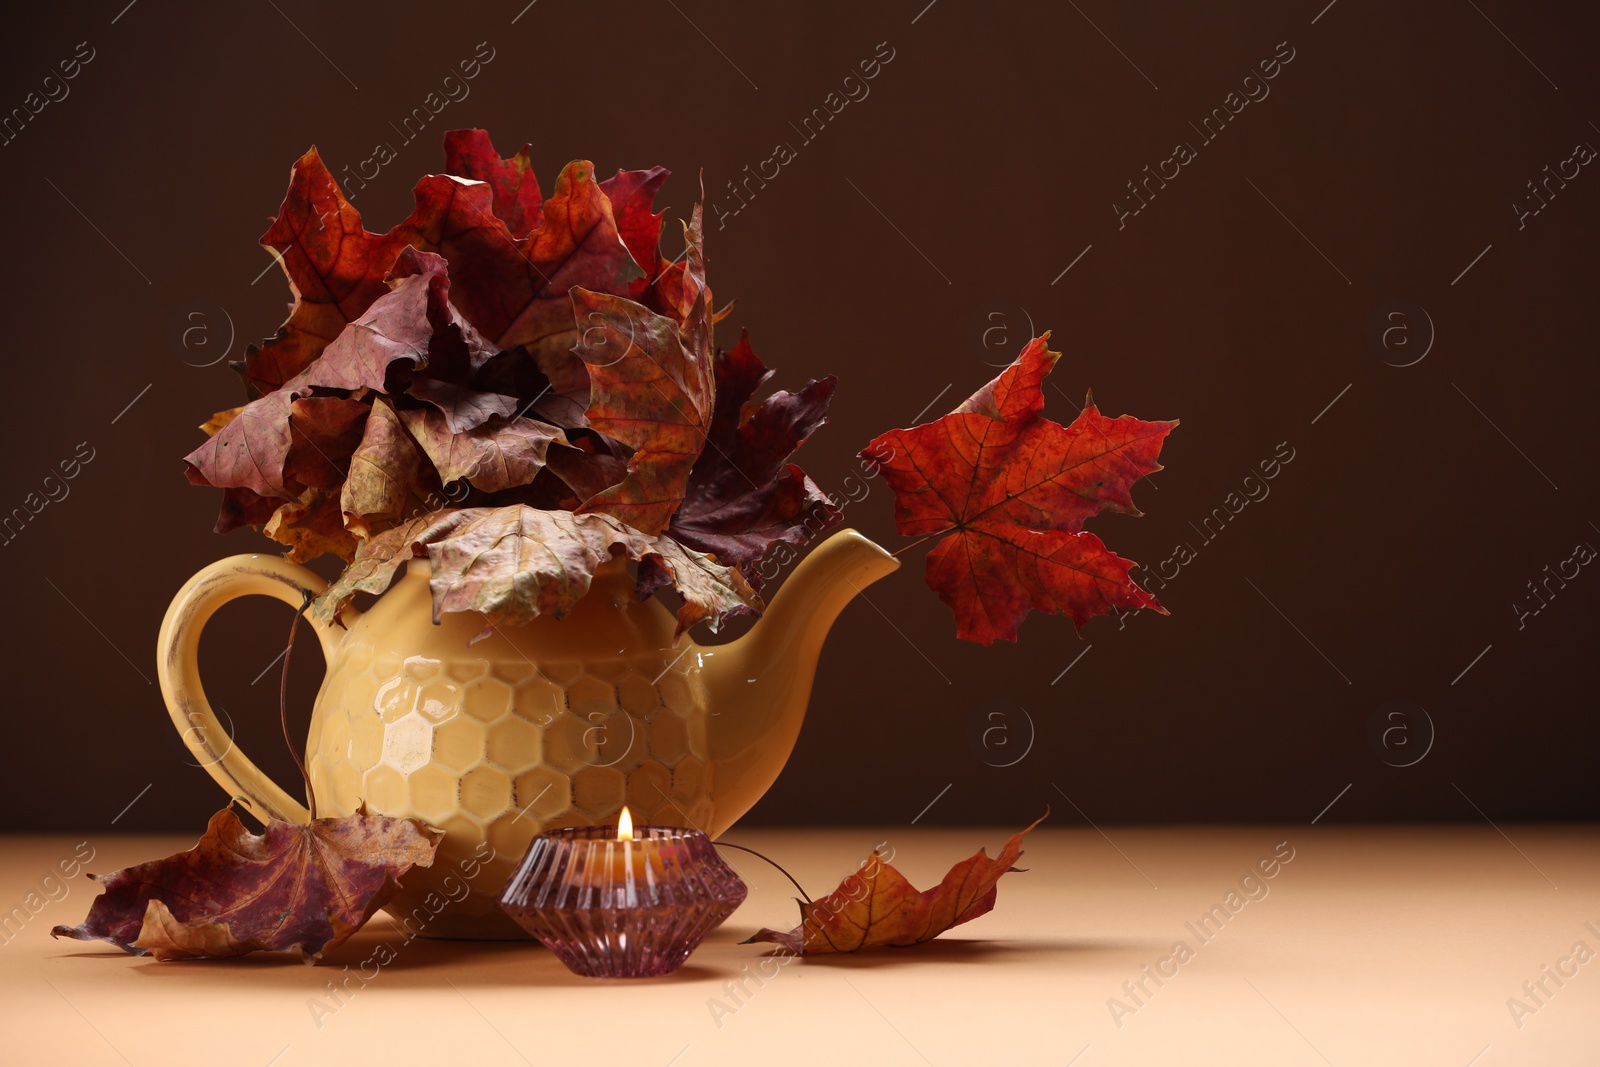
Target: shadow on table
{"points": [[973, 950], [385, 958]]}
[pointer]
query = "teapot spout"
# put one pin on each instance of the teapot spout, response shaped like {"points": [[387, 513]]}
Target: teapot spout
{"points": [[758, 686]]}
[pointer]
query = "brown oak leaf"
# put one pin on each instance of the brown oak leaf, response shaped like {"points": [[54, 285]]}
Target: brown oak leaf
{"points": [[291, 887], [876, 907], [1007, 492]]}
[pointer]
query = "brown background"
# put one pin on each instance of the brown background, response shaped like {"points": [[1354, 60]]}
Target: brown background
{"points": [[907, 248]]}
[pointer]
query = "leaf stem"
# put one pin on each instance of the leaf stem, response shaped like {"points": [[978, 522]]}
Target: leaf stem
{"points": [[283, 706], [803, 894], [914, 544]]}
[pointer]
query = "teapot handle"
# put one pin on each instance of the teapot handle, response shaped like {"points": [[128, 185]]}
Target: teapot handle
{"points": [[178, 669]]}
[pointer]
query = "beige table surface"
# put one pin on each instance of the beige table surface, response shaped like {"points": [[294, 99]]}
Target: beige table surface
{"points": [[1371, 946]]}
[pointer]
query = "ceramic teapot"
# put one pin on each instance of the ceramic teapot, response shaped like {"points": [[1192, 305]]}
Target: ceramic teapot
{"points": [[553, 723]]}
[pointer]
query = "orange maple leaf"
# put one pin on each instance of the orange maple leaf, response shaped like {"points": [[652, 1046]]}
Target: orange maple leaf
{"points": [[877, 907]]}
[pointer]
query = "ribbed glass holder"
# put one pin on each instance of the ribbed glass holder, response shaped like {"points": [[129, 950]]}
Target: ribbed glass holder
{"points": [[622, 909]]}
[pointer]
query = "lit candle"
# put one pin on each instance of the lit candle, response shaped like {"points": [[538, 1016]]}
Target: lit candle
{"points": [[638, 862], [622, 902]]}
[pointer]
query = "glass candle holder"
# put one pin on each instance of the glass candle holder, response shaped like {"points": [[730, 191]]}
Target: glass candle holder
{"points": [[622, 908]]}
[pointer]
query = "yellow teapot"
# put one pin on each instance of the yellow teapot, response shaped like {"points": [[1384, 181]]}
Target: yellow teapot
{"points": [[554, 723]]}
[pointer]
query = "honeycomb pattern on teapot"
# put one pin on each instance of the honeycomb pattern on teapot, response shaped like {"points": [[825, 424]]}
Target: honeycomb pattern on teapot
{"points": [[496, 751]]}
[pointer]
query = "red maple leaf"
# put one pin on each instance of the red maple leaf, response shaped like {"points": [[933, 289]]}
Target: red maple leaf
{"points": [[335, 268], [652, 386], [516, 268], [1007, 491], [632, 194], [517, 200]]}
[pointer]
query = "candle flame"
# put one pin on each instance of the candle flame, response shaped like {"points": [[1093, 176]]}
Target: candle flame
{"points": [[625, 825]]}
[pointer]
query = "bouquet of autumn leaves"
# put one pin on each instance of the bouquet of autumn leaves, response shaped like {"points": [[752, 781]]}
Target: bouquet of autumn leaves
{"points": [[519, 387]]}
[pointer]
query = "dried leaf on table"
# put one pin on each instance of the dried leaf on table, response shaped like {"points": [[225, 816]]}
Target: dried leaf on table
{"points": [[876, 907], [291, 887]]}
